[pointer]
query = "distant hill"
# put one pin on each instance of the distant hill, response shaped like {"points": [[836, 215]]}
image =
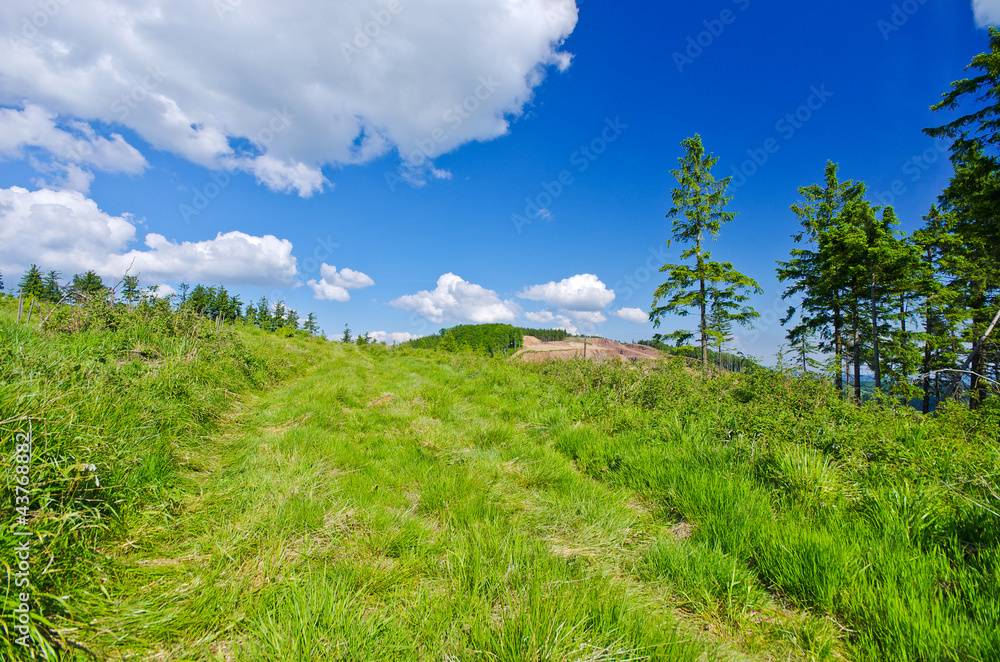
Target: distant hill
{"points": [[484, 339]]}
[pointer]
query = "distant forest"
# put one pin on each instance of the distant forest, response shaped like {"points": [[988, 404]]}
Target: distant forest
{"points": [[211, 302], [484, 339]]}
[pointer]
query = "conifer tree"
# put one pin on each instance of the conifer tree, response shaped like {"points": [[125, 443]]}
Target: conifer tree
{"points": [[310, 324], [53, 292], [815, 270], [87, 286], [130, 289], [698, 214], [972, 201], [32, 284]]}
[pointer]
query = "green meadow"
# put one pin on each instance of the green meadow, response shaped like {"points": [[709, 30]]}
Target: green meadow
{"points": [[210, 492]]}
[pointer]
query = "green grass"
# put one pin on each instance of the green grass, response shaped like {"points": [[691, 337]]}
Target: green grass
{"points": [[345, 521], [292, 499], [112, 414], [885, 522]]}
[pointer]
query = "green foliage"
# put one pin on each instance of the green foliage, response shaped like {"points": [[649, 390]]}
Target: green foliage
{"points": [[32, 285], [971, 263], [492, 340], [711, 288], [727, 360], [113, 397], [88, 286], [869, 515]]}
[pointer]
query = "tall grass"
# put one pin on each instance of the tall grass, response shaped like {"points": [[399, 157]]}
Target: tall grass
{"points": [[413, 505], [884, 520], [114, 399]]}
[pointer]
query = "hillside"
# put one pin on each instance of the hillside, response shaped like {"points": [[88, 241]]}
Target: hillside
{"points": [[374, 503], [592, 349]]}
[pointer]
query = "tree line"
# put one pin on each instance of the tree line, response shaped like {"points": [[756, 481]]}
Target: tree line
{"points": [[211, 302], [492, 340], [916, 312]]}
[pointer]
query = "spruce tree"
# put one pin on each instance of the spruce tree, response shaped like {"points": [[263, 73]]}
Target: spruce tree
{"points": [[130, 289], [33, 285], [53, 292], [698, 213], [972, 201], [816, 271]]}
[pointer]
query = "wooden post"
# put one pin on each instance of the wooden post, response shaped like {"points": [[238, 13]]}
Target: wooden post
{"points": [[20, 306], [30, 309]]}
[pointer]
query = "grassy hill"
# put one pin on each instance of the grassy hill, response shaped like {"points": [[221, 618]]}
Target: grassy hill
{"points": [[276, 498]]}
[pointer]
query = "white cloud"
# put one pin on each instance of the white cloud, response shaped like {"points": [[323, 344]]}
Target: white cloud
{"points": [[282, 176], [234, 258], [225, 82], [334, 285], [75, 143], [590, 317], [70, 148], [394, 338], [584, 292], [572, 321], [548, 318], [66, 231], [634, 315], [987, 12], [163, 291], [461, 301]]}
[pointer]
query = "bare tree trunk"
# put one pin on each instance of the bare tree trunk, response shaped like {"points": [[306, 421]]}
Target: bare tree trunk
{"points": [[874, 315], [838, 346], [927, 361], [704, 331]]}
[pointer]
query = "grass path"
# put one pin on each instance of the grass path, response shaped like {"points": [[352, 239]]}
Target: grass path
{"points": [[398, 509]]}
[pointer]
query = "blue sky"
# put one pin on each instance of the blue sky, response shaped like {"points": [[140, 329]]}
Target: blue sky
{"points": [[407, 165]]}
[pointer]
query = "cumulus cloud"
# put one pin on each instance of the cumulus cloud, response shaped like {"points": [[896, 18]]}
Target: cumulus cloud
{"points": [[324, 83], [548, 318], [460, 301], [66, 231], [334, 285], [987, 12], [235, 258], [634, 315], [70, 147], [571, 321], [584, 292], [75, 142], [393, 338]]}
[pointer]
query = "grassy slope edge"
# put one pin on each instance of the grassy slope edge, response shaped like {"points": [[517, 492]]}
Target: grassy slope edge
{"points": [[112, 412]]}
